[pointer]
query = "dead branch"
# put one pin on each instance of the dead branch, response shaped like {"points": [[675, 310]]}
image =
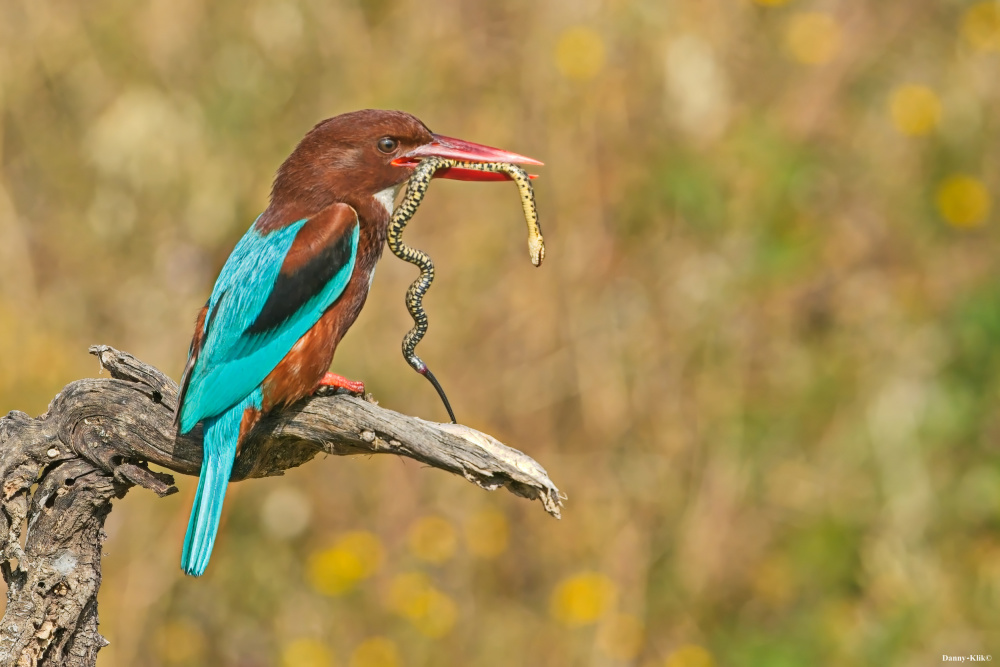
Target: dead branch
{"points": [[60, 471]]}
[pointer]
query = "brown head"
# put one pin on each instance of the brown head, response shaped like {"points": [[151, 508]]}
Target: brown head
{"points": [[361, 155]]}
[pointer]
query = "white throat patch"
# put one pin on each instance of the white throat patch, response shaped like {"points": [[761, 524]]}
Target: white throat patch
{"points": [[388, 198]]}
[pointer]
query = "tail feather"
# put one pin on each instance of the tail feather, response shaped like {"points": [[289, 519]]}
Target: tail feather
{"points": [[222, 434]]}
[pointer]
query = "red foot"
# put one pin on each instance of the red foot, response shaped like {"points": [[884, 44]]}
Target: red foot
{"points": [[334, 380]]}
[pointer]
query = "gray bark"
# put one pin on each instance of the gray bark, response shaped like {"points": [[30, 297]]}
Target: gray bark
{"points": [[59, 473]]}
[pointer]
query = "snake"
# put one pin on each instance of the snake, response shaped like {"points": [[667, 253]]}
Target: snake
{"points": [[416, 188]]}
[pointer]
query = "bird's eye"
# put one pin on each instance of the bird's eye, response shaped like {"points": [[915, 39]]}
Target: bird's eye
{"points": [[387, 144]]}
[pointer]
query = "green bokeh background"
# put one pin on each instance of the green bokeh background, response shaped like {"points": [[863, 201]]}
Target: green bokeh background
{"points": [[760, 358]]}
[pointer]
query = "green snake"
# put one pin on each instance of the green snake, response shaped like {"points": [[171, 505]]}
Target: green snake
{"points": [[416, 188]]}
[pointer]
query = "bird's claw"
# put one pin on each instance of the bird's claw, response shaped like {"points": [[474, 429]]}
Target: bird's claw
{"points": [[333, 382]]}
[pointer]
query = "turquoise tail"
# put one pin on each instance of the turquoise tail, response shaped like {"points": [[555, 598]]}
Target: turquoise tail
{"points": [[219, 451]]}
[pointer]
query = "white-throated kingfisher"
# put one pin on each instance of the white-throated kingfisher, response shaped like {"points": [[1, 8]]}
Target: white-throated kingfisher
{"points": [[295, 283]]}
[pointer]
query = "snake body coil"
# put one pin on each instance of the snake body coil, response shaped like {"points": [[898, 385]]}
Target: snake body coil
{"points": [[416, 188]]}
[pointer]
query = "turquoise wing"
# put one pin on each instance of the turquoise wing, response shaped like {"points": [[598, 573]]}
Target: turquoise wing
{"points": [[273, 288]]}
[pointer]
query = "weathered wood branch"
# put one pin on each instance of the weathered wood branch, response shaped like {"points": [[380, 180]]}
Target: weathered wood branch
{"points": [[60, 471]]}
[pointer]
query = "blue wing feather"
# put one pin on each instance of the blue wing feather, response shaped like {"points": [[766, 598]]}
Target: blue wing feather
{"points": [[233, 362]]}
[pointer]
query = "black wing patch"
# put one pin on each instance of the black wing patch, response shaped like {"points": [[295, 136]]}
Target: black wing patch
{"points": [[214, 311], [292, 291]]}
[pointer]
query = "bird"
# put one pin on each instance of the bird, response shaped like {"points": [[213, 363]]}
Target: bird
{"points": [[295, 283]]}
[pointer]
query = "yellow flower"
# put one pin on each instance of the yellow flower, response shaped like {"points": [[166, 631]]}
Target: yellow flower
{"points": [[440, 616], [375, 652], [690, 655], [306, 653], [963, 201], [433, 539], [981, 26], [408, 594], [621, 637], [431, 611], [915, 110], [582, 598], [355, 556], [813, 38], [487, 533], [580, 53]]}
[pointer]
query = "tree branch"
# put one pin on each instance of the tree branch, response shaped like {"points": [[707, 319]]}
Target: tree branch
{"points": [[97, 440]]}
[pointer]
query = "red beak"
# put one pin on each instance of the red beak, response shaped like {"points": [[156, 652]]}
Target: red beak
{"points": [[457, 149]]}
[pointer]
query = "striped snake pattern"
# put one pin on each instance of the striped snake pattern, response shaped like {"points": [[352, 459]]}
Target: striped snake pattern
{"points": [[416, 188]]}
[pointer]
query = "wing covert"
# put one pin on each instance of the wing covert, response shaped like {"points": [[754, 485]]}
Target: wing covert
{"points": [[272, 290]]}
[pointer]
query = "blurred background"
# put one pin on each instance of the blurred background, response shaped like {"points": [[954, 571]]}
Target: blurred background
{"points": [[760, 359]]}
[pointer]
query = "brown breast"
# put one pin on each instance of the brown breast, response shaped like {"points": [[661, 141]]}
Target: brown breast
{"points": [[299, 373]]}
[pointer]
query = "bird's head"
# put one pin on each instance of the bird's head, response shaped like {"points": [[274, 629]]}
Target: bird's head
{"points": [[368, 153]]}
